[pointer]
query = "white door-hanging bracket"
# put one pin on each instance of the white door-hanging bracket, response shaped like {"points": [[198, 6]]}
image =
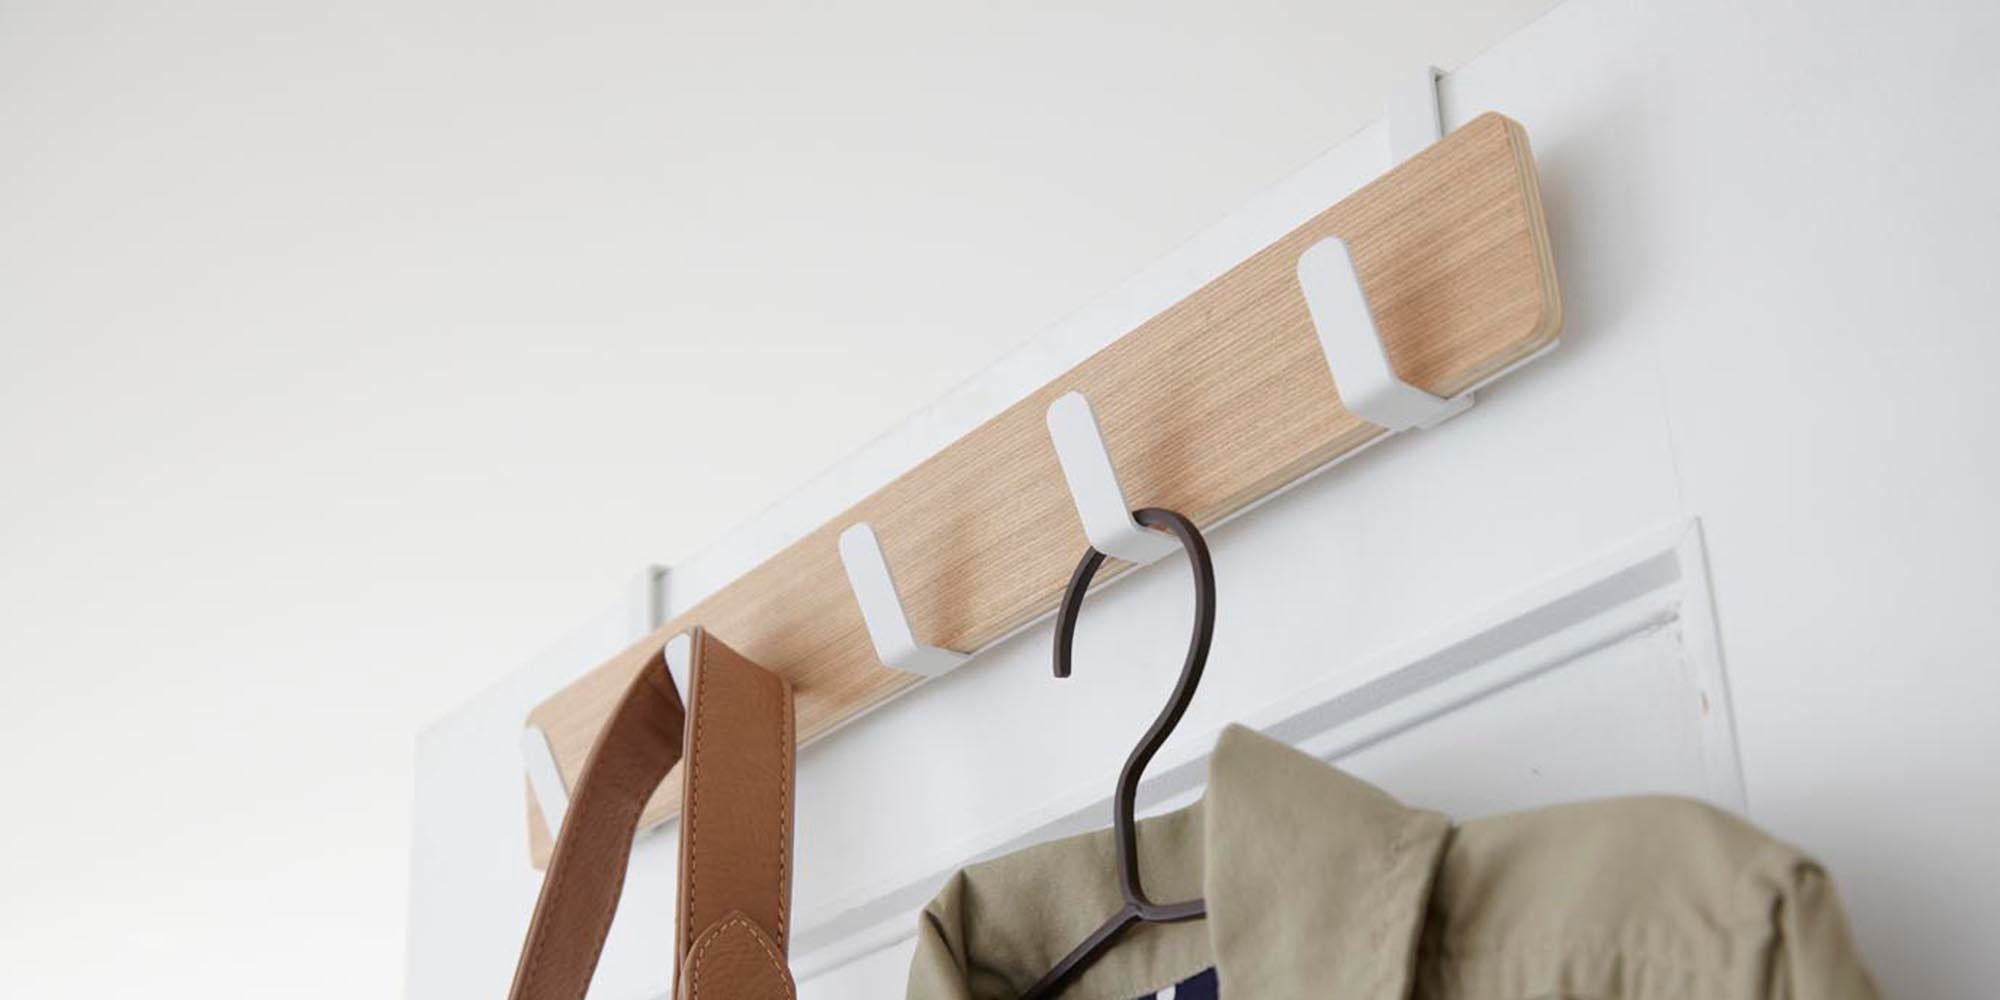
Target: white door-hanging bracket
{"points": [[1093, 484], [882, 608], [1367, 383], [1414, 119]]}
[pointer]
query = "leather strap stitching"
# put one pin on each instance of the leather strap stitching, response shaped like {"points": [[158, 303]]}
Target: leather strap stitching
{"points": [[696, 678], [700, 962], [784, 838]]}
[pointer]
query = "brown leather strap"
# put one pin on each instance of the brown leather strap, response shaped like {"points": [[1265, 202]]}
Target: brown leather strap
{"points": [[736, 831], [739, 707]]}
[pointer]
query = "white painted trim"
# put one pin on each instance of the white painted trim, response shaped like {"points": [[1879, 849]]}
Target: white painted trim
{"points": [[1655, 581], [1702, 637]]}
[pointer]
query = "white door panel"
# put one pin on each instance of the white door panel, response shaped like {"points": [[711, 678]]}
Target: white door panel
{"points": [[1602, 682], [1620, 719]]}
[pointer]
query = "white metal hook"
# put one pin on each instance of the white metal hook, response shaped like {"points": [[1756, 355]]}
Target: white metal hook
{"points": [[882, 608], [643, 610], [1367, 383], [545, 778], [1341, 315], [1093, 484], [678, 653]]}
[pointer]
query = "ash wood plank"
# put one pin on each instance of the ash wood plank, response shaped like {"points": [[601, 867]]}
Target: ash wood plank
{"points": [[1208, 406]]}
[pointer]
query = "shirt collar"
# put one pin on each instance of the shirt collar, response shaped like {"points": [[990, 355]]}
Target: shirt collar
{"points": [[1316, 884]]}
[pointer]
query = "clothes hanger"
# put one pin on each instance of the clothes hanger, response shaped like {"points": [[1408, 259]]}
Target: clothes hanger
{"points": [[1138, 907]]}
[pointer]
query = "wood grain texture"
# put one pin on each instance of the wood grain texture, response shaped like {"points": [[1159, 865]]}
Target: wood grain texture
{"points": [[1210, 405]]}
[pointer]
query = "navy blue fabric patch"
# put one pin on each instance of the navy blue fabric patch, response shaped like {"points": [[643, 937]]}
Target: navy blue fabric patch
{"points": [[1201, 986]]}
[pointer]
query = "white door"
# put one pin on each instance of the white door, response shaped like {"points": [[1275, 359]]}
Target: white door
{"points": [[1733, 540]]}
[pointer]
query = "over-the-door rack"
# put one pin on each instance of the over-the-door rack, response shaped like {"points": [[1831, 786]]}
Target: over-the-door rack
{"points": [[1410, 293]]}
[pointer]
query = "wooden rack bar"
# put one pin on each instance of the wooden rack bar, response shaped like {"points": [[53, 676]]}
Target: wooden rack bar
{"points": [[1214, 403]]}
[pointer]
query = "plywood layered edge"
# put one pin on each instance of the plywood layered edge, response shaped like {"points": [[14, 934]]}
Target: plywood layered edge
{"points": [[1214, 403]]}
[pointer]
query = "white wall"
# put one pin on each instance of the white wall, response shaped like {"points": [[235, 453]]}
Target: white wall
{"points": [[1773, 226], [348, 352]]}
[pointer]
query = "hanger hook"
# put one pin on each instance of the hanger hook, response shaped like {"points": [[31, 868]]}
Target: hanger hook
{"points": [[1124, 824]]}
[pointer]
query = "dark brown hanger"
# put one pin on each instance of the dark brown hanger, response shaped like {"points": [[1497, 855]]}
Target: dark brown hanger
{"points": [[1137, 908]]}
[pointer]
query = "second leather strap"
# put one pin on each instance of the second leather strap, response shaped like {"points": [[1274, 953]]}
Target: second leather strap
{"points": [[736, 829]]}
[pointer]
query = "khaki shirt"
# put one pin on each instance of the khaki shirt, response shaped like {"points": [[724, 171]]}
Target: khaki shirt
{"points": [[1319, 885]]}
